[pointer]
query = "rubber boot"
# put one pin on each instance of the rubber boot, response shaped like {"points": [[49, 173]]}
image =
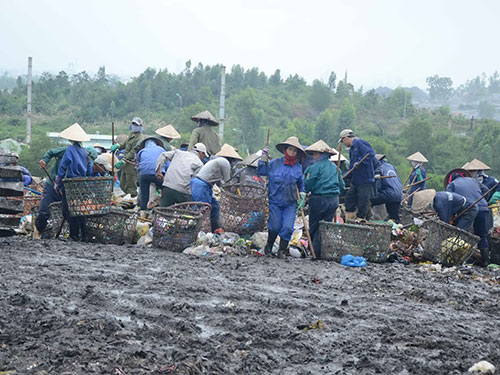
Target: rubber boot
{"points": [[268, 249], [282, 249], [36, 233], [485, 256]]}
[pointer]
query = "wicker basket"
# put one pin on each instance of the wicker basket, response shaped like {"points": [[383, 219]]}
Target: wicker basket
{"points": [[54, 222], [88, 196], [369, 241], [118, 227], [446, 244], [243, 208], [176, 227]]}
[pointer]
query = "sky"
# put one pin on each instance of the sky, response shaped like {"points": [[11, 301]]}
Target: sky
{"points": [[378, 42]]}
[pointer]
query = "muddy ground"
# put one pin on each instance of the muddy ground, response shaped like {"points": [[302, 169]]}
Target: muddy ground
{"points": [[69, 308]]}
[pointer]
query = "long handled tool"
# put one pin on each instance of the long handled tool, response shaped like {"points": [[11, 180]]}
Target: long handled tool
{"points": [[416, 183], [48, 175], [408, 178], [473, 204], [355, 166], [409, 196], [339, 150], [306, 227], [113, 153]]}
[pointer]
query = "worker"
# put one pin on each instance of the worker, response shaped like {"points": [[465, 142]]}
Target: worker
{"points": [[102, 166], [127, 165], [473, 190], [447, 205], [246, 172], [362, 175], [184, 165], [388, 187], [75, 163], [150, 150], [477, 170], [204, 133], [216, 170], [99, 148], [27, 179], [418, 173], [285, 179], [168, 133], [325, 185]]}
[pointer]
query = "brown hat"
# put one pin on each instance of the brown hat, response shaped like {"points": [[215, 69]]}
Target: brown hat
{"points": [[463, 172], [157, 140], [207, 116], [418, 157], [476, 165], [321, 146], [229, 151], [422, 199], [75, 133], [291, 141], [168, 132]]}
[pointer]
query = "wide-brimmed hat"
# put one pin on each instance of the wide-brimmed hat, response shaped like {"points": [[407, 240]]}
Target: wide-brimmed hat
{"points": [[335, 158], [75, 133], [168, 132], [104, 160], [475, 165], [98, 145], [320, 146], [422, 199], [207, 116], [461, 171], [418, 157], [157, 140], [200, 147], [380, 157], [121, 139], [291, 141], [229, 151], [252, 160], [346, 133]]}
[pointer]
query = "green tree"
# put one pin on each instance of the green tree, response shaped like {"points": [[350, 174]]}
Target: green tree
{"points": [[347, 114], [320, 97], [327, 127], [486, 110], [440, 88], [249, 117], [418, 137], [332, 81]]}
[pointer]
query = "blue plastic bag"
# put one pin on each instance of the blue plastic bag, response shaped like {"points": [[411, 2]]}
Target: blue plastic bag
{"points": [[351, 261]]}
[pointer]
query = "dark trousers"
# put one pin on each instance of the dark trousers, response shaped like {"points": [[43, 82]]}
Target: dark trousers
{"points": [[466, 221], [391, 207], [145, 181], [171, 196], [201, 191], [128, 179], [320, 208], [358, 197], [49, 196], [481, 229], [77, 225]]}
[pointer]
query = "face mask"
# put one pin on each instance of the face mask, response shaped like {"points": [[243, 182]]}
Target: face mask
{"points": [[480, 178], [135, 128]]}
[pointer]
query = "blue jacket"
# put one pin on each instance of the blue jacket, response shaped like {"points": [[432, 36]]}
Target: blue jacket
{"points": [[283, 180], [447, 204], [388, 189], [489, 182], [147, 158], [415, 176], [75, 163], [364, 174], [471, 189]]}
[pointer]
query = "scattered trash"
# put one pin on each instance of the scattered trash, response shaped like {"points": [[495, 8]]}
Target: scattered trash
{"points": [[344, 302], [314, 280], [352, 261], [482, 367], [316, 325]]}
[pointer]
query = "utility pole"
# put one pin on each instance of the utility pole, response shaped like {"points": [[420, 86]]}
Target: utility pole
{"points": [[222, 102], [28, 109]]}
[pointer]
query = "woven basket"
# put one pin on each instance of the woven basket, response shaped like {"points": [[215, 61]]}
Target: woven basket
{"points": [[88, 196], [176, 227], [54, 222], [446, 244], [118, 227], [369, 241], [243, 208]]}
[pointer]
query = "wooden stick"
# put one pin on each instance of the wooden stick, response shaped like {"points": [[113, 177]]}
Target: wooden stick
{"points": [[411, 195], [384, 177], [113, 153], [408, 178], [355, 166], [476, 202], [49, 176], [339, 150], [418, 182], [306, 227]]}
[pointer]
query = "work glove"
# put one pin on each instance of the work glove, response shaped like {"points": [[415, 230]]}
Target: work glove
{"points": [[418, 172], [42, 164], [377, 176], [301, 201], [57, 185], [119, 164], [265, 154], [114, 147]]}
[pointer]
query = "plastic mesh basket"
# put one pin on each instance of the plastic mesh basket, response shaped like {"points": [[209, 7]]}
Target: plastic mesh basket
{"points": [[446, 244], [118, 227], [88, 196], [54, 222], [243, 208], [176, 227], [369, 241]]}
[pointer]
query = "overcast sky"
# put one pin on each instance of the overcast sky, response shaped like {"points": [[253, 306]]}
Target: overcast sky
{"points": [[390, 42]]}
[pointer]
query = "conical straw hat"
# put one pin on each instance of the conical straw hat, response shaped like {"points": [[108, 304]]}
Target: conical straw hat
{"points": [[422, 199], [75, 133], [463, 172], [321, 146], [466, 166], [418, 157], [476, 165], [252, 160], [168, 132], [157, 140], [105, 161], [335, 158], [229, 151], [205, 115], [291, 141]]}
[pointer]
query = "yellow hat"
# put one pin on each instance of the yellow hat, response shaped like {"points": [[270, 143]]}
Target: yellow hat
{"points": [[476, 165], [418, 157], [168, 132], [229, 151], [321, 146], [75, 133]]}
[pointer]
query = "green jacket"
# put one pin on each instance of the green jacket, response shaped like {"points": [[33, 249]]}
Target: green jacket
{"points": [[56, 153], [321, 178], [130, 145], [206, 135]]}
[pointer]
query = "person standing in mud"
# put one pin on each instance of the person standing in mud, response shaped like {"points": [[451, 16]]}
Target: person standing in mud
{"points": [[75, 163], [285, 179], [127, 165], [325, 186]]}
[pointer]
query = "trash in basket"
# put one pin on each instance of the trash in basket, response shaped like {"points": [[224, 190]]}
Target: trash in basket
{"points": [[88, 196]]}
